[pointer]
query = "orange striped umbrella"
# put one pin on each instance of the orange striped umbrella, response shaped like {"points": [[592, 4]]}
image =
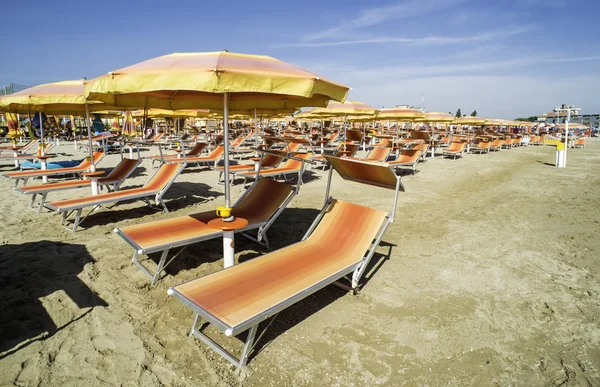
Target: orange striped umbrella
{"points": [[115, 127], [13, 126], [128, 124]]}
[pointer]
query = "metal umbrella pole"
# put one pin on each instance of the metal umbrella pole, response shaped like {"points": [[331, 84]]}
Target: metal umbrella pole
{"points": [[89, 130]]}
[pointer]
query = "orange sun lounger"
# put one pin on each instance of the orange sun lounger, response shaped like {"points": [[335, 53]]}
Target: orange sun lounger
{"points": [[156, 187], [116, 177], [196, 150], [260, 205], [25, 175], [338, 245], [456, 150], [481, 147], [25, 156], [407, 158], [294, 165], [212, 158]]}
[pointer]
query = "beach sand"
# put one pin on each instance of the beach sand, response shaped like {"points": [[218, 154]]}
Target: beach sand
{"points": [[489, 276]]}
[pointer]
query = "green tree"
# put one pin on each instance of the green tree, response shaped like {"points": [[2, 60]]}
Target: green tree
{"points": [[458, 113], [474, 114]]}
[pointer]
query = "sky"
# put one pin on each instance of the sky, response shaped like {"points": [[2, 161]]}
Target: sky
{"points": [[503, 58]]}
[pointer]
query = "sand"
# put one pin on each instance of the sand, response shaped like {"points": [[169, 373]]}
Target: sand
{"points": [[489, 276]]}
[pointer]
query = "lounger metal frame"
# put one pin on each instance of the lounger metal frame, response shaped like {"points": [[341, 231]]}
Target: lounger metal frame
{"points": [[261, 238], [251, 325]]}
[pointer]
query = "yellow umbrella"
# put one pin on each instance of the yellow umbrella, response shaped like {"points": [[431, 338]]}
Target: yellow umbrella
{"points": [[192, 80], [347, 108], [214, 80], [401, 114], [163, 113], [51, 98], [470, 120], [436, 117], [13, 126]]}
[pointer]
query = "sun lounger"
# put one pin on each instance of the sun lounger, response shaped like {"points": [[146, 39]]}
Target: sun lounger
{"points": [[456, 150], [260, 205], [407, 158], [156, 187], [294, 165], [379, 154], [212, 158], [24, 148], [580, 143], [82, 167], [24, 156], [115, 178], [196, 150], [481, 147], [267, 161], [496, 145], [338, 246]]}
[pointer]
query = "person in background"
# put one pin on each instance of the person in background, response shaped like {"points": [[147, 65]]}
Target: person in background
{"points": [[97, 125]]}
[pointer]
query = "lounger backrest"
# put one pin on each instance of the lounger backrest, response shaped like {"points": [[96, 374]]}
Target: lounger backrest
{"points": [[217, 152], [379, 154], [162, 177], [197, 149], [294, 163], [96, 155], [408, 156], [354, 135], [270, 160], [456, 147], [122, 170], [351, 148], [293, 147], [348, 227], [262, 201], [366, 172], [497, 143]]}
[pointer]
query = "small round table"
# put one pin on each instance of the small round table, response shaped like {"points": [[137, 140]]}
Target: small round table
{"points": [[94, 176], [44, 165], [228, 229], [256, 162]]}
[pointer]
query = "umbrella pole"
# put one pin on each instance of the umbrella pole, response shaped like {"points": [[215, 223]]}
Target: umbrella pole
{"points": [[41, 135], [89, 130], [226, 146], [255, 129]]}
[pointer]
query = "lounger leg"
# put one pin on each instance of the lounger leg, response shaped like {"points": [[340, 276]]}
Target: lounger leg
{"points": [[42, 202], [32, 200], [248, 346], [160, 267], [77, 219]]}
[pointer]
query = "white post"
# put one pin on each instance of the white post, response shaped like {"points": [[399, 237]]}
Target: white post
{"points": [[228, 250], [564, 163], [89, 129]]}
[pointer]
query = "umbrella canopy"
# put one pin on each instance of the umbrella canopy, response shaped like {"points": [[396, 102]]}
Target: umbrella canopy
{"points": [[194, 80], [51, 98], [163, 113], [470, 120], [436, 117], [214, 80], [346, 108], [128, 125], [13, 126], [400, 114]]}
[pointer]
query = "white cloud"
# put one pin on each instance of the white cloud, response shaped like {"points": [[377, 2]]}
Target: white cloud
{"points": [[573, 59], [427, 40], [376, 15]]}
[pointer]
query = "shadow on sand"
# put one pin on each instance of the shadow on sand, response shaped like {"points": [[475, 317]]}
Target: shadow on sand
{"points": [[31, 271]]}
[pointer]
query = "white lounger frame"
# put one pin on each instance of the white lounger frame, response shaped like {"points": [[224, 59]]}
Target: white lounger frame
{"points": [[356, 271]]}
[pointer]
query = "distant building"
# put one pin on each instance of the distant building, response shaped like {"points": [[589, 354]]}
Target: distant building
{"points": [[552, 117]]}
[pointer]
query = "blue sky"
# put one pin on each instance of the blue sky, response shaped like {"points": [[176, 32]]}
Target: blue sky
{"points": [[505, 58]]}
